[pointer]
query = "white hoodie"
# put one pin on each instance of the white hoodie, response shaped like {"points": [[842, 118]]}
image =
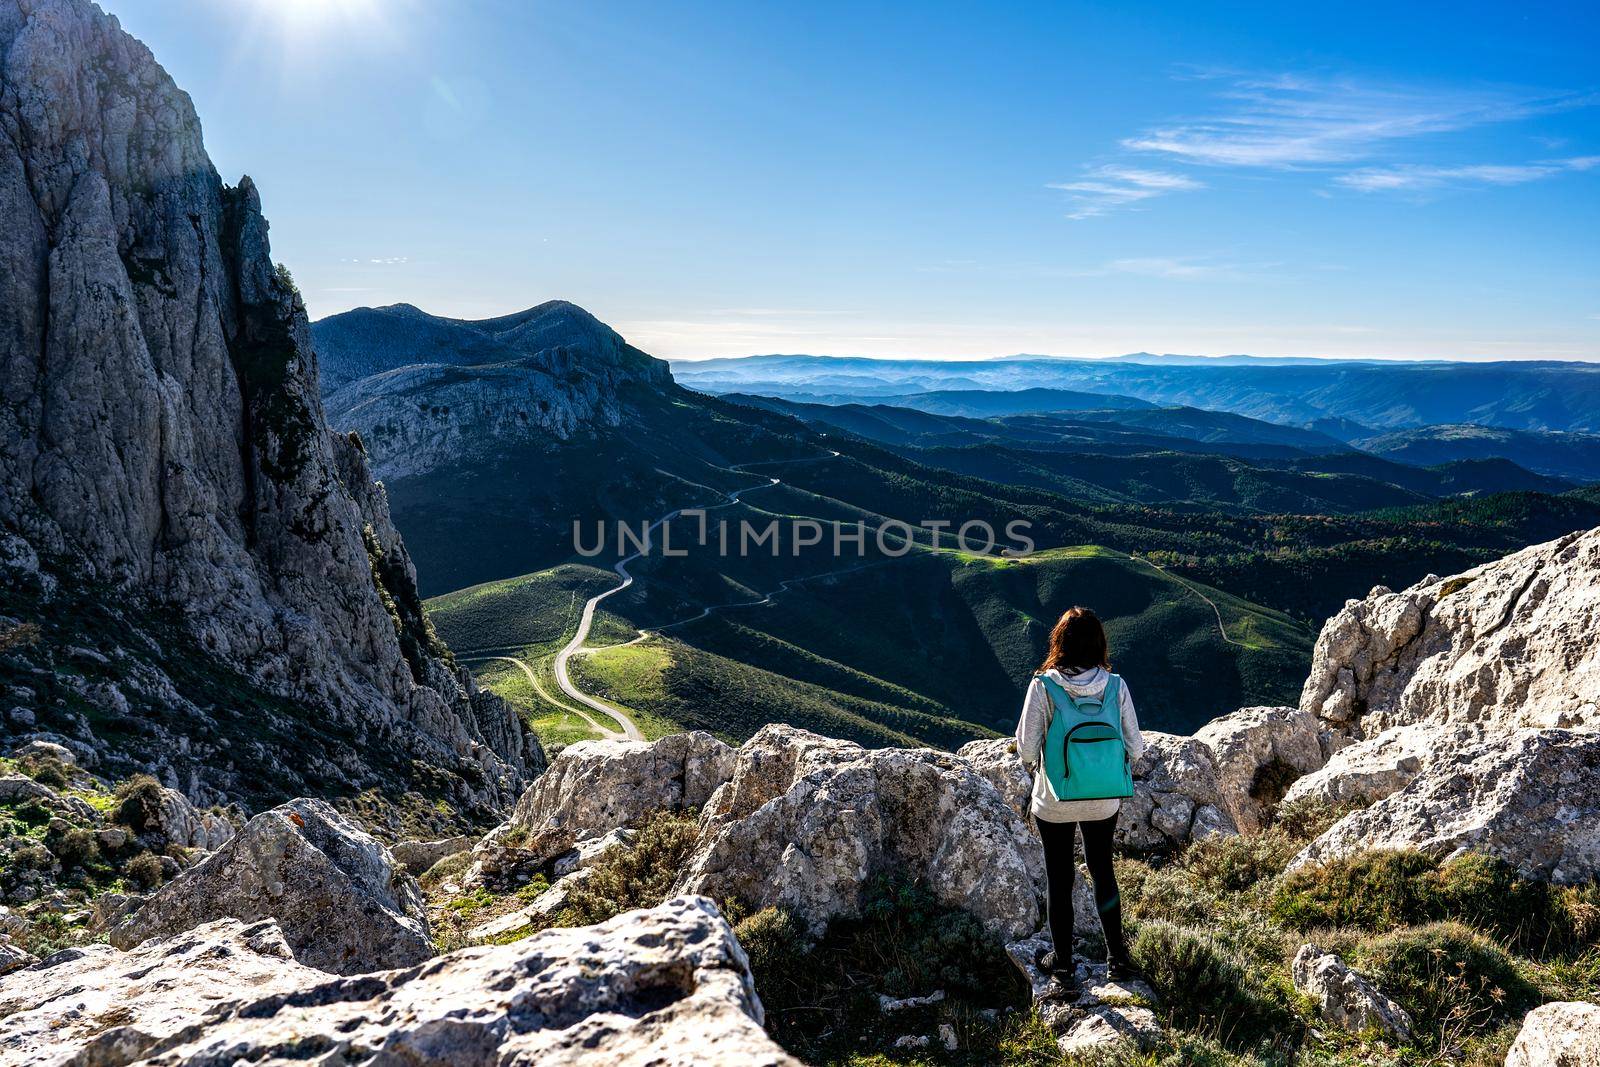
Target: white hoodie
{"points": [[1037, 709]]}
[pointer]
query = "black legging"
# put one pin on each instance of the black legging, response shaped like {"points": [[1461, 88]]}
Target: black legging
{"points": [[1061, 871]]}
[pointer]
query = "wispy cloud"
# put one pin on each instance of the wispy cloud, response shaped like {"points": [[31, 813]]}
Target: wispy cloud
{"points": [[1180, 268], [378, 261], [1106, 188], [1417, 177], [1286, 121]]}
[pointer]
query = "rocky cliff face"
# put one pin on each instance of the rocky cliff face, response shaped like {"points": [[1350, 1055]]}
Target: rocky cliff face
{"points": [[175, 513], [425, 392]]}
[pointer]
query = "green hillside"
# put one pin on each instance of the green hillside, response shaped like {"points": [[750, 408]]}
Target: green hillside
{"points": [[932, 648]]}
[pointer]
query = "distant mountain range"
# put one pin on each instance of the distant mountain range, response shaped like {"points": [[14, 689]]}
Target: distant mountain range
{"points": [[494, 437], [1522, 395]]}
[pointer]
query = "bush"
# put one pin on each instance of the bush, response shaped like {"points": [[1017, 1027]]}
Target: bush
{"points": [[46, 770], [144, 871], [1382, 891], [1232, 864], [139, 803], [1206, 986], [75, 847], [1454, 982], [637, 877], [775, 941]]}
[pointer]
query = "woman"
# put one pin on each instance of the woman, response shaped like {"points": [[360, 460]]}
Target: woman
{"points": [[1077, 665]]}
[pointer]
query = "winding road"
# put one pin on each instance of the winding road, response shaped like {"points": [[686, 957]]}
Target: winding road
{"points": [[1221, 629], [575, 645]]}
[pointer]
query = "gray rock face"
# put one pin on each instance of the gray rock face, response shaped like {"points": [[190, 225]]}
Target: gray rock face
{"points": [[666, 986], [163, 429], [342, 902], [1560, 1034], [1177, 796], [805, 822], [1509, 643], [1344, 998], [1530, 797], [1257, 752], [425, 392], [95, 1005], [1367, 771], [168, 818], [595, 787]]}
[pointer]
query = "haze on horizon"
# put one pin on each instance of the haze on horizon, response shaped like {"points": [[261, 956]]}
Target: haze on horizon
{"points": [[918, 181]]}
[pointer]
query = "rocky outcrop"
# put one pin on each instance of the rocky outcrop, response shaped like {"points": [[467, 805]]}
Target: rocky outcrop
{"points": [[424, 391], [1101, 1016], [666, 986], [1529, 797], [1258, 753], [598, 786], [417, 856], [162, 817], [1560, 1034], [805, 822], [165, 439], [95, 1005], [1367, 771], [1177, 797], [343, 904], [1505, 644], [1344, 998]]}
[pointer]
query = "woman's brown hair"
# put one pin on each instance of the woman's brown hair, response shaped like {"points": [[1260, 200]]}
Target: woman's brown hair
{"points": [[1077, 643]]}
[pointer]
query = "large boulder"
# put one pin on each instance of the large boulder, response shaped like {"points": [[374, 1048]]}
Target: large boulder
{"points": [[1560, 1034], [1344, 998], [95, 1005], [806, 822], [1258, 752], [344, 905], [1367, 771], [1530, 797], [594, 787], [161, 817], [664, 986], [1508, 643], [1177, 797]]}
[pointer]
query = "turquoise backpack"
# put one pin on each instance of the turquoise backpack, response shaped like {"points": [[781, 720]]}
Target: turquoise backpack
{"points": [[1084, 756]]}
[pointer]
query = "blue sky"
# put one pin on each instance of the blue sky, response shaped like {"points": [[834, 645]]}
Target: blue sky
{"points": [[926, 179]]}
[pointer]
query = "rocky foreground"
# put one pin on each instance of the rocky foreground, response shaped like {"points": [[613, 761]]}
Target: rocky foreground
{"points": [[272, 943]]}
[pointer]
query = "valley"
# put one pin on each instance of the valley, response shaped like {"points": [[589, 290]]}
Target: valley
{"points": [[1211, 540]]}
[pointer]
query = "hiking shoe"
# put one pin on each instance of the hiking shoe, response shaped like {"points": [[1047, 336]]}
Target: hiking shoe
{"points": [[1123, 971], [1063, 971]]}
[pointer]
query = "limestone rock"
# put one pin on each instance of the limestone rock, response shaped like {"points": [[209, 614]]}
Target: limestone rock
{"points": [[1367, 771], [164, 436], [667, 986], [1344, 998], [1258, 751], [805, 822], [996, 759], [110, 1007], [1559, 1034], [162, 817], [1530, 797], [1177, 796], [1508, 643], [1104, 1014], [343, 904], [595, 787], [417, 856], [13, 958]]}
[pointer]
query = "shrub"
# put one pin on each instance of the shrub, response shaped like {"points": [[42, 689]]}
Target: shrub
{"points": [[139, 803], [1447, 974], [637, 877], [1453, 981], [1232, 864], [775, 941], [75, 847], [144, 871], [46, 770], [1206, 986], [1386, 890]]}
